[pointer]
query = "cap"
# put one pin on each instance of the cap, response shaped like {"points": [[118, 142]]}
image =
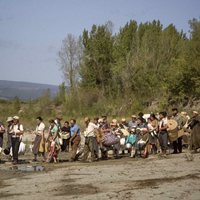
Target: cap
{"points": [[133, 116]]}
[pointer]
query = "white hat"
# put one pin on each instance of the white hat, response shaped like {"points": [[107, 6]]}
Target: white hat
{"points": [[16, 117], [100, 120], [9, 119], [195, 112]]}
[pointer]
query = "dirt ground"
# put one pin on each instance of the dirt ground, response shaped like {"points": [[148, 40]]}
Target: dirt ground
{"points": [[173, 177]]}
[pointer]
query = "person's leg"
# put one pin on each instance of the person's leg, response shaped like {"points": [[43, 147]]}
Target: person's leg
{"points": [[92, 148], [85, 152], [75, 147], [180, 144], [16, 149], [175, 145], [1, 140]]}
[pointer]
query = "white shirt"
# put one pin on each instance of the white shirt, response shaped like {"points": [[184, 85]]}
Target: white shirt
{"points": [[163, 122], [17, 128], [40, 128], [89, 132]]}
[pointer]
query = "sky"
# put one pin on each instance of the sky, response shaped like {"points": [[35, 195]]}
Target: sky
{"points": [[31, 31]]}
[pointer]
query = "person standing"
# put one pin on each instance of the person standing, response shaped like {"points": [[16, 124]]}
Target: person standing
{"points": [[9, 135], [177, 144], [90, 140], [75, 138], [17, 134], [53, 141], [2, 131], [65, 136], [39, 139], [163, 134]]}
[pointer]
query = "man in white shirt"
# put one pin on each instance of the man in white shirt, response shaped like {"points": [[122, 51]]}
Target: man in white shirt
{"points": [[18, 131], [90, 140], [39, 139]]}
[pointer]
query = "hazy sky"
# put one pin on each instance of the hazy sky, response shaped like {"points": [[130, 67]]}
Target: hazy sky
{"points": [[31, 31]]}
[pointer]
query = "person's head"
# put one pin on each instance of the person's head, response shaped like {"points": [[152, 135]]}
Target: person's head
{"points": [[50, 138], [96, 120], [59, 118], [15, 119], [174, 111], [52, 122], [195, 113], [140, 114], [39, 119], [9, 120], [87, 120], [162, 114], [139, 120], [134, 118], [113, 124], [123, 121], [152, 116], [66, 123], [72, 122]]}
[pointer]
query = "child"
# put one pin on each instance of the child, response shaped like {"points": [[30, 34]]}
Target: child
{"points": [[52, 151]]}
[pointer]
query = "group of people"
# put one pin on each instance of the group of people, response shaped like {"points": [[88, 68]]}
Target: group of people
{"points": [[139, 137]]}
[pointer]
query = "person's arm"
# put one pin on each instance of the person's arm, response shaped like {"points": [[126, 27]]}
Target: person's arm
{"points": [[2, 129], [20, 131]]}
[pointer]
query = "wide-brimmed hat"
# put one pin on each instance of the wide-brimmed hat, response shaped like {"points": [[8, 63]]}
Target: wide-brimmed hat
{"points": [[195, 112], [123, 120], [16, 117], [9, 119], [183, 113], [114, 122], [100, 120], [133, 116]]}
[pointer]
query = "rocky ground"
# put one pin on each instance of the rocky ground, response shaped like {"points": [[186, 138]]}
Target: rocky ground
{"points": [[174, 177]]}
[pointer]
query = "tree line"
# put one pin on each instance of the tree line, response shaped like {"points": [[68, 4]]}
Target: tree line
{"points": [[141, 65]]}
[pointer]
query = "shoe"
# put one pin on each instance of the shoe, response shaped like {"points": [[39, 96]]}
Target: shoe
{"points": [[175, 152], [14, 162]]}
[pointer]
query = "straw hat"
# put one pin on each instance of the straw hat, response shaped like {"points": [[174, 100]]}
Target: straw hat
{"points": [[100, 120], [16, 117], [195, 112], [133, 116], [123, 120], [114, 122], [9, 119]]}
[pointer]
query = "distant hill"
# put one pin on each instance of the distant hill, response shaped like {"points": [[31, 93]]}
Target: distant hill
{"points": [[24, 90]]}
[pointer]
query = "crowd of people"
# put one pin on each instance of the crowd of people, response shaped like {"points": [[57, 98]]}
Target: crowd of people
{"points": [[138, 137]]}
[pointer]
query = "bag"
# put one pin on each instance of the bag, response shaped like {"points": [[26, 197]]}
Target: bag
{"points": [[110, 139], [65, 135], [60, 141]]}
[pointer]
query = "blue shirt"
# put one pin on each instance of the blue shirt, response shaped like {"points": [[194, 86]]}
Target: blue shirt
{"points": [[75, 129]]}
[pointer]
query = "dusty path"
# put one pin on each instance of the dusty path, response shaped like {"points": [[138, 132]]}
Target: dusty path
{"points": [[152, 178]]}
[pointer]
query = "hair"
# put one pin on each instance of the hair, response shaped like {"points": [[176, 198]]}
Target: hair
{"points": [[51, 121], [96, 118], [153, 115], [163, 113], [40, 118], [175, 109], [66, 122], [74, 120], [140, 114]]}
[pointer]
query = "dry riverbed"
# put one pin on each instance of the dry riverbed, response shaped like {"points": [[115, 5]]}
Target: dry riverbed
{"points": [[154, 178]]}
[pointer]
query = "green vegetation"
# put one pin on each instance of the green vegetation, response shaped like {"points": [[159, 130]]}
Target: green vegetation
{"points": [[144, 67]]}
